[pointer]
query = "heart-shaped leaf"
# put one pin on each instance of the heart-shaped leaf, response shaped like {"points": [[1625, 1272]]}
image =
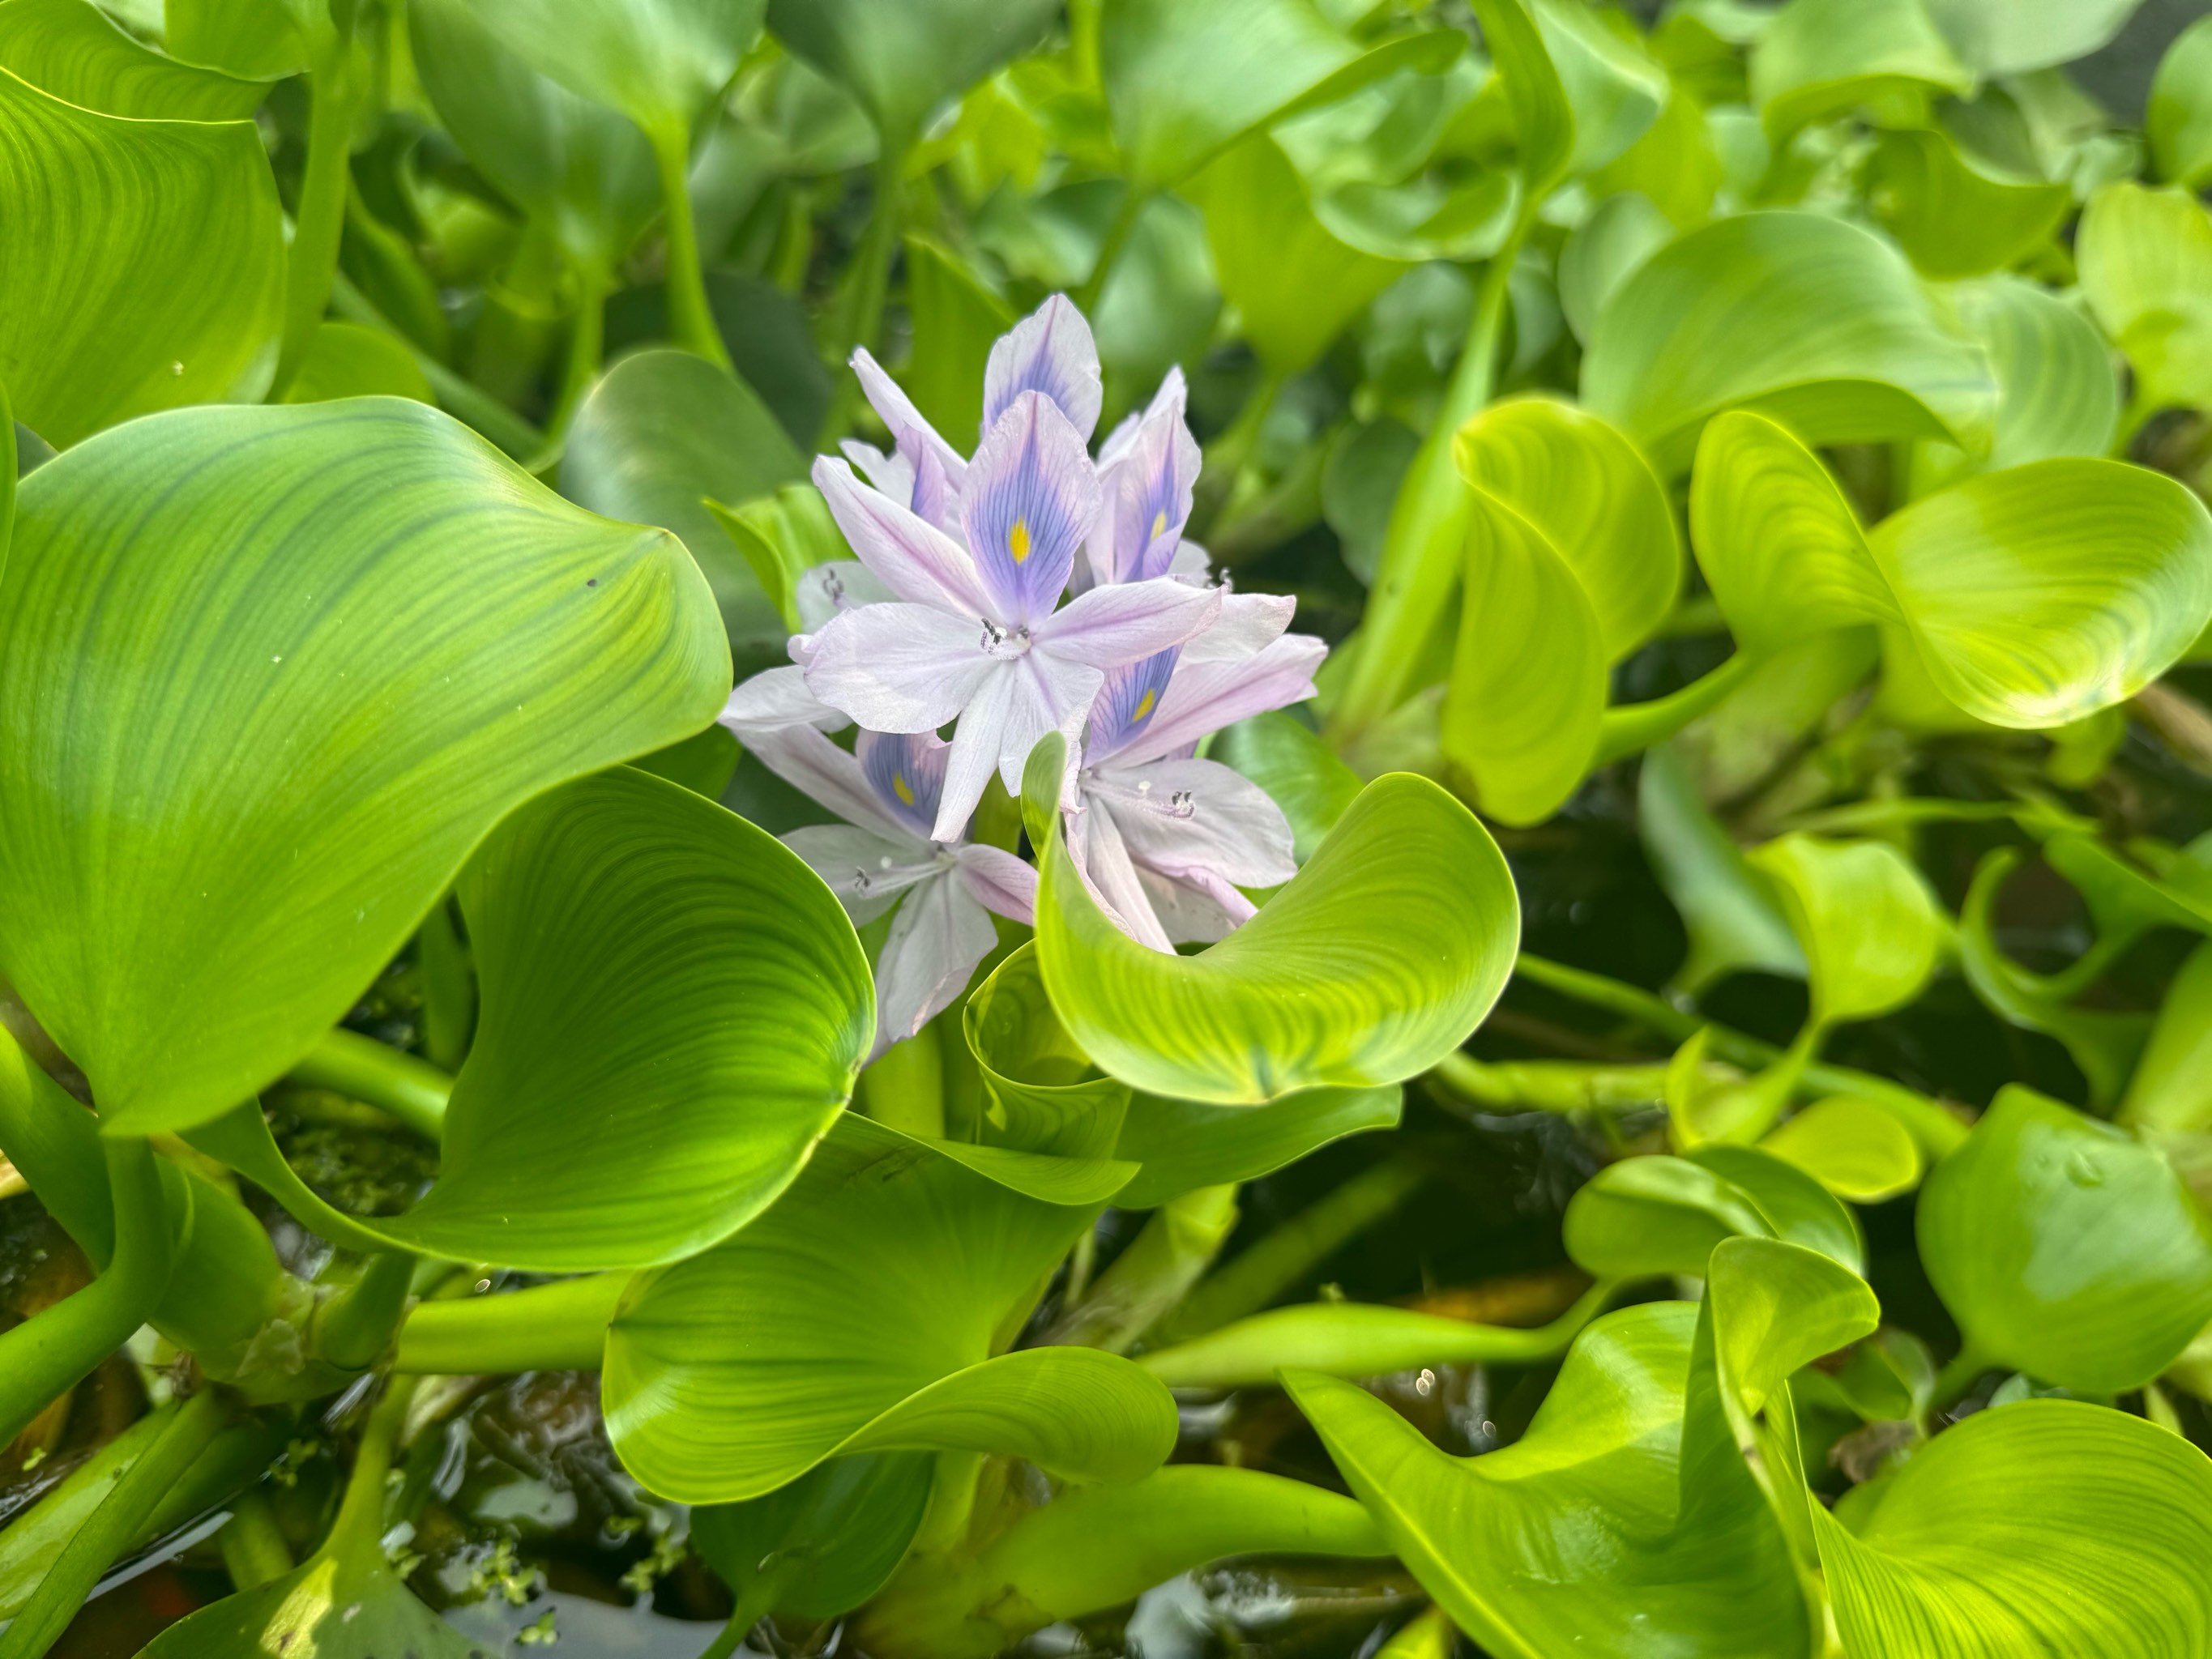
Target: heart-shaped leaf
{"points": [[825, 1543], [1645, 1216], [659, 62], [2005, 37], [144, 266], [903, 59], [1297, 769], [2057, 391], [1816, 321], [2145, 258], [260, 39], [1375, 960], [1952, 219], [79, 54], [661, 434], [2104, 570], [1823, 57], [1182, 1145], [297, 662], [1852, 1147], [1613, 87], [673, 1015], [2066, 1249], [1870, 927], [869, 1310], [2179, 122]]}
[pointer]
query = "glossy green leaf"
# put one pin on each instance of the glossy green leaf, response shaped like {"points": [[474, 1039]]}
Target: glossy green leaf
{"points": [[260, 39], [1870, 929], [1088, 1551], [1540, 115], [868, 1311], [782, 535], [1612, 1525], [2145, 258], [1647, 1216], [2103, 570], [73, 49], [659, 62], [2057, 389], [1823, 57], [294, 707], [825, 1543], [673, 1015], [1817, 322], [561, 157], [1182, 1146], [2065, 1248], [1729, 910], [1614, 90], [1183, 82], [2005, 37], [346, 360], [663, 433], [1855, 1149], [2049, 1526], [1295, 285], [1377, 959], [2172, 1089], [1605, 250], [1297, 769], [903, 59], [1951, 218], [144, 266], [2179, 122]]}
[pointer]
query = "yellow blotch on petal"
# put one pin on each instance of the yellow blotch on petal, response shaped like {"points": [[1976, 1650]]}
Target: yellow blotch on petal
{"points": [[903, 790], [1017, 540], [1145, 705], [1159, 524]]}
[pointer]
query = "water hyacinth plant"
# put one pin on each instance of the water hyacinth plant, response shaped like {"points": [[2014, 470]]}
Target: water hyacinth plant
{"points": [[1488, 936]]}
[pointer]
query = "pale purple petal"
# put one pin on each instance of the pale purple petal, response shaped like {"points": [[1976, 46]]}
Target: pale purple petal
{"points": [[1030, 499], [1050, 351], [774, 699], [1191, 563], [865, 870], [936, 498], [1147, 488], [1095, 843], [914, 559], [899, 667], [1205, 696], [999, 881], [1125, 623], [937, 937], [816, 766], [893, 474], [1054, 695], [907, 772], [910, 432], [974, 752], [1191, 914], [1173, 392], [1130, 698], [1181, 817], [840, 584], [1247, 624]]}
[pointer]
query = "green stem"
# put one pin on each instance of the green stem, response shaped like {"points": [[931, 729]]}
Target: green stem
{"points": [[1421, 551], [46, 1356], [449, 989], [107, 1532], [1177, 1245], [361, 1068], [1294, 1249], [755, 1604], [254, 1552], [690, 319], [1936, 1130], [1126, 214], [360, 1523], [560, 1326], [355, 1326], [587, 340], [859, 315], [1966, 1368], [458, 396], [316, 229], [1561, 1085], [1431, 1636], [1631, 728]]}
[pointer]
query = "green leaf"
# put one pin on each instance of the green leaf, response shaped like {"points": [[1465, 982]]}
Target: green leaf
{"points": [[1816, 321], [73, 49], [1297, 769], [1183, 1146], [1183, 82], [1375, 960], [1647, 1216], [1951, 218], [2049, 1526], [564, 159], [2065, 1248], [2178, 123], [1824, 58], [1852, 1147], [2105, 570], [2057, 388], [1041, 1092], [1295, 285], [2145, 258], [299, 662], [1613, 1525], [783, 535], [1870, 929], [868, 1311], [1088, 1551], [1537, 106], [956, 321], [259, 39], [1729, 910], [1604, 251], [144, 266], [2005, 37], [659, 62], [1614, 89], [346, 360], [673, 1015], [660, 435], [822, 1545], [2172, 1089], [902, 59]]}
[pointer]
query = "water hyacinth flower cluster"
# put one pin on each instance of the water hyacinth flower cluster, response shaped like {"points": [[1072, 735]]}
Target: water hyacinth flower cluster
{"points": [[1026, 589]]}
